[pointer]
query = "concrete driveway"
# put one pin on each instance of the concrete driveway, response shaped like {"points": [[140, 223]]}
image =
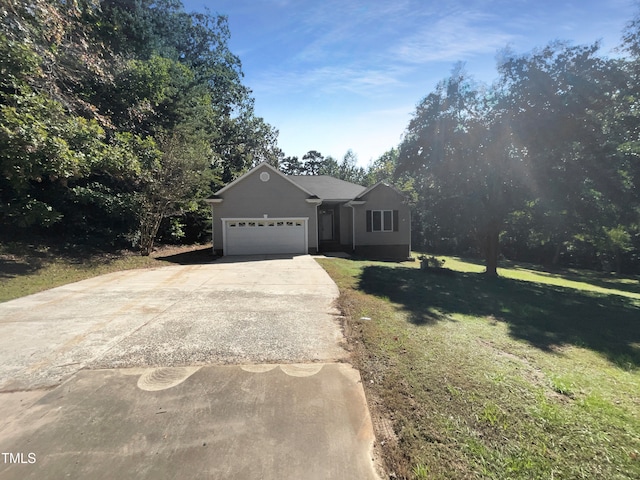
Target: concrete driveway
{"points": [[234, 310], [220, 370]]}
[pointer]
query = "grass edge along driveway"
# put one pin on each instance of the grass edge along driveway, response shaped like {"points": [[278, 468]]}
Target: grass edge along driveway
{"points": [[28, 269], [531, 375]]}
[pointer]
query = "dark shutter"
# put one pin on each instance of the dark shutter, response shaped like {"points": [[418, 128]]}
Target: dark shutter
{"points": [[395, 220], [368, 220]]}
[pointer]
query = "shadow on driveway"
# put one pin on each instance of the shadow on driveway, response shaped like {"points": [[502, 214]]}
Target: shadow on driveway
{"points": [[205, 255], [193, 257]]}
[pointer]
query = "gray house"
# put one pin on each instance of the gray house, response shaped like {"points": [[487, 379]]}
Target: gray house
{"points": [[267, 212]]}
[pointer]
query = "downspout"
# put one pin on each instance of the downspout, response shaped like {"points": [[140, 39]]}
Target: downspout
{"points": [[213, 247], [353, 228], [410, 232], [317, 229], [317, 202], [353, 204], [213, 202]]}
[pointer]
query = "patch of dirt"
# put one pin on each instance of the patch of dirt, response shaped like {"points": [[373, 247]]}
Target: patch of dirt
{"points": [[383, 427], [386, 449]]}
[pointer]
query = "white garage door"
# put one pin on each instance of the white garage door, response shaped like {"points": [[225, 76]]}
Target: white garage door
{"points": [[256, 236]]}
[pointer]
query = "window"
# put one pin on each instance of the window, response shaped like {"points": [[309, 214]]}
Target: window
{"points": [[382, 220]]}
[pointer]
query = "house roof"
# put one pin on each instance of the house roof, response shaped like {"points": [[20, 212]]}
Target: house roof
{"points": [[326, 187], [323, 187], [263, 164], [372, 187]]}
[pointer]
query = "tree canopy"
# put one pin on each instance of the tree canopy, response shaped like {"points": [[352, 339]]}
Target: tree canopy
{"points": [[108, 106], [543, 161]]}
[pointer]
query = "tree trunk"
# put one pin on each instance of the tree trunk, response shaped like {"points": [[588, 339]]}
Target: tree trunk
{"points": [[492, 248], [150, 224]]}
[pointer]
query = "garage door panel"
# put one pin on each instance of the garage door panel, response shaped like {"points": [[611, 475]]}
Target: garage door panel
{"points": [[273, 236]]}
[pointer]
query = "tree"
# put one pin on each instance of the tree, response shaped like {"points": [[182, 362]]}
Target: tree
{"points": [[42, 145], [172, 178], [329, 166], [291, 166], [539, 157], [383, 168], [561, 104], [348, 169], [460, 148], [312, 162]]}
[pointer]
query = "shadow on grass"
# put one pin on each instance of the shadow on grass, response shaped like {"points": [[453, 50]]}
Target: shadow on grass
{"points": [[19, 260], [545, 316], [626, 283], [10, 268], [22, 259]]}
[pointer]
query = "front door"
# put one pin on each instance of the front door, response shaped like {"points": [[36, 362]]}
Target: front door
{"points": [[326, 225]]}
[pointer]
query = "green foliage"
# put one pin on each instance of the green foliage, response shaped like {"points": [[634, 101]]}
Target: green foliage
{"points": [[291, 166], [348, 169], [457, 146], [619, 239], [542, 161], [116, 114], [383, 168], [170, 183], [313, 161]]}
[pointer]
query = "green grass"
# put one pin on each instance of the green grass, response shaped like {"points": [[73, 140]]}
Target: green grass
{"points": [[530, 375], [578, 279], [27, 269]]}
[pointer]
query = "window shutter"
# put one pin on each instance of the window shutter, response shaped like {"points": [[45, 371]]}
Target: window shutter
{"points": [[395, 221], [368, 220]]}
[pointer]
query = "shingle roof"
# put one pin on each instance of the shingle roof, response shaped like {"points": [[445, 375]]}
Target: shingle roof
{"points": [[328, 188]]}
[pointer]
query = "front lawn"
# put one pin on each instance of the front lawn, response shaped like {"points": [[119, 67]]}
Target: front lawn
{"points": [[530, 375]]}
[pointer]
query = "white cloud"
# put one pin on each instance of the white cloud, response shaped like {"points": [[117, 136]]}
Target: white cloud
{"points": [[364, 81], [455, 37]]}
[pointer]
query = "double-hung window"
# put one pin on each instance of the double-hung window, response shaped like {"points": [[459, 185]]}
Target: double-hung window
{"points": [[382, 220]]}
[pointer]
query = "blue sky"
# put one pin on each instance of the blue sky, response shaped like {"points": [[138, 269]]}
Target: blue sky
{"points": [[333, 75]]}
